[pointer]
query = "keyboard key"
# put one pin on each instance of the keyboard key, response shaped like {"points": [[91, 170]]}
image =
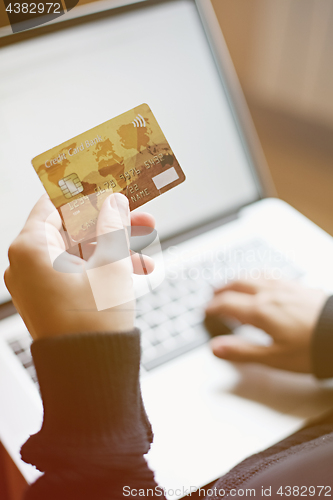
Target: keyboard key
{"points": [[151, 337], [177, 290], [25, 358], [189, 334], [161, 332], [192, 285], [164, 297], [32, 372], [155, 317], [180, 345], [148, 354], [180, 324], [191, 301], [174, 309], [169, 326], [143, 306], [170, 344], [145, 342], [16, 346], [158, 299], [28, 363], [194, 317], [141, 324]]}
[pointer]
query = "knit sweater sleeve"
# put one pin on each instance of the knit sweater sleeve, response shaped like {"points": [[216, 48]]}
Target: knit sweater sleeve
{"points": [[95, 431], [322, 343]]}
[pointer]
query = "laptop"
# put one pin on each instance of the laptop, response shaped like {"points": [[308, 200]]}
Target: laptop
{"points": [[222, 223]]}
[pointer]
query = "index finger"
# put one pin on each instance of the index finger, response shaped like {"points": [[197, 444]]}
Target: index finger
{"points": [[250, 286], [237, 305], [142, 219]]}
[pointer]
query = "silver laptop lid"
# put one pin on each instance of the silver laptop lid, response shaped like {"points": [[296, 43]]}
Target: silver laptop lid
{"points": [[65, 81]]}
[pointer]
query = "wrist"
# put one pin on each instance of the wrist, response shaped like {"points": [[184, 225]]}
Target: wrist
{"points": [[115, 319], [73, 322]]}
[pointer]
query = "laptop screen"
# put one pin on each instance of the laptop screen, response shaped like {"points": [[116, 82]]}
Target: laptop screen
{"points": [[58, 85]]}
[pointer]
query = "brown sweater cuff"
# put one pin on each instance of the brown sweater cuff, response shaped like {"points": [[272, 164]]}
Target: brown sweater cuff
{"points": [[92, 401]]}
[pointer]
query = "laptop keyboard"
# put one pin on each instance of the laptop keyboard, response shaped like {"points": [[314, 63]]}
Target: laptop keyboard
{"points": [[21, 347], [171, 317]]}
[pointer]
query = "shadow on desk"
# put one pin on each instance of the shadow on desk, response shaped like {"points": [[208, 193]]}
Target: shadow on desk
{"points": [[313, 430]]}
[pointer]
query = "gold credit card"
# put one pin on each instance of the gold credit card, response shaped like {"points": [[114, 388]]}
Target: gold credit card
{"points": [[128, 154]]}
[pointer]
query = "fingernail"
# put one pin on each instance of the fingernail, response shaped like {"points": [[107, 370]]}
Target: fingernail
{"points": [[113, 202], [121, 200], [219, 350], [120, 203]]}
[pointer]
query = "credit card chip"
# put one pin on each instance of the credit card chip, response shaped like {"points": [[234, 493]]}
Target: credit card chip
{"points": [[70, 185]]}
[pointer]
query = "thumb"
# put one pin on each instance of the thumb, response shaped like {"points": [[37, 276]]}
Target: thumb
{"points": [[234, 348], [112, 241], [109, 270], [114, 214]]}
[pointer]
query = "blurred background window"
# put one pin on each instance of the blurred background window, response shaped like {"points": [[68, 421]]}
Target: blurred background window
{"points": [[283, 54]]}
